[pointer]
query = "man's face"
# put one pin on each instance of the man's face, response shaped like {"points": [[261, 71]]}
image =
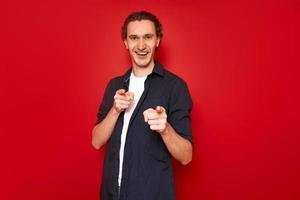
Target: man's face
{"points": [[141, 42]]}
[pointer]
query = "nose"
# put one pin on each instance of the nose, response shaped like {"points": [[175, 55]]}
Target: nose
{"points": [[141, 44]]}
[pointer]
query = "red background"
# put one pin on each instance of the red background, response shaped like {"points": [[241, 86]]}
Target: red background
{"points": [[240, 60]]}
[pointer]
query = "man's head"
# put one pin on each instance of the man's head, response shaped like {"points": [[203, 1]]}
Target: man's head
{"points": [[142, 15], [141, 33]]}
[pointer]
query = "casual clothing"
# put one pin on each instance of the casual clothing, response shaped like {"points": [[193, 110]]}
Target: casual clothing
{"points": [[136, 85], [146, 171]]}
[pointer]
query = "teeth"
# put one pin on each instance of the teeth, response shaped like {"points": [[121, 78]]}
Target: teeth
{"points": [[142, 54]]}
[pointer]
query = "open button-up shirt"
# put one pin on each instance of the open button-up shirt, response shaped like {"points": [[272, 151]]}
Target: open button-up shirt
{"points": [[147, 171]]}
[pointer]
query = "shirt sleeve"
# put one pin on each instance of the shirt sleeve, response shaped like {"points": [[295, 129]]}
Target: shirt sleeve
{"points": [[179, 109], [106, 104]]}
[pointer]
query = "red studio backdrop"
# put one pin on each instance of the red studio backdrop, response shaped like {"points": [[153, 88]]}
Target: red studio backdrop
{"points": [[239, 58]]}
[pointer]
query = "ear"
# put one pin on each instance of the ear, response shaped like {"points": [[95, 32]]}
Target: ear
{"points": [[157, 42], [125, 43]]}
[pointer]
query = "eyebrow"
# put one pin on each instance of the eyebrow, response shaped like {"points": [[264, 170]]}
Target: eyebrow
{"points": [[149, 34], [134, 35]]}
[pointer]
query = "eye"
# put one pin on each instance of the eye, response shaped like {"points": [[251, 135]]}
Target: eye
{"points": [[148, 37], [133, 37]]}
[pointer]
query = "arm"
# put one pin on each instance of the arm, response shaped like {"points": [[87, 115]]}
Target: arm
{"points": [[180, 148], [102, 131], [174, 129]]}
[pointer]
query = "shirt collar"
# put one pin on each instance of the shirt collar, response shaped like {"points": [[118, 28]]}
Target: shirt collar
{"points": [[158, 70]]}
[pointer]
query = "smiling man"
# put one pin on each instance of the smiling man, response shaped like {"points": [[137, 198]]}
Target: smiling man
{"points": [[144, 119]]}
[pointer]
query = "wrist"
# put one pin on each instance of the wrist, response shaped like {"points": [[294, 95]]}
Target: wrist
{"points": [[114, 111], [166, 131]]}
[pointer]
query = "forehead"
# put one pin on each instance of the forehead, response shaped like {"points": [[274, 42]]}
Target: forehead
{"points": [[140, 27]]}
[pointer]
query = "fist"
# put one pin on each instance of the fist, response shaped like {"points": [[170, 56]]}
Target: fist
{"points": [[156, 118], [122, 100]]}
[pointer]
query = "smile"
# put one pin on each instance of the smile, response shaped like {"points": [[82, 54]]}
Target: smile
{"points": [[141, 53]]}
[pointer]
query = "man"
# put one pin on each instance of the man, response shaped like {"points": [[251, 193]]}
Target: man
{"points": [[144, 119]]}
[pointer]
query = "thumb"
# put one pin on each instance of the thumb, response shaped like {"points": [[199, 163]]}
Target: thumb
{"points": [[159, 109], [130, 94], [121, 91]]}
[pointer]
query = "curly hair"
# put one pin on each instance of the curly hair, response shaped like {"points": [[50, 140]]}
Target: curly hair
{"points": [[138, 16]]}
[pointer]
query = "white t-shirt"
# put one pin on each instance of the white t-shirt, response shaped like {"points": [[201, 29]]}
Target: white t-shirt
{"points": [[136, 85]]}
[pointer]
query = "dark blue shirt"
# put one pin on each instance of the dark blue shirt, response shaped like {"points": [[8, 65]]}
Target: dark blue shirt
{"points": [[147, 170]]}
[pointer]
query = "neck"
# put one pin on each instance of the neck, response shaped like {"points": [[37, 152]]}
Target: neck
{"points": [[143, 71]]}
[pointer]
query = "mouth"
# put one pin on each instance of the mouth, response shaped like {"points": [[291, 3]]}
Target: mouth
{"points": [[141, 54]]}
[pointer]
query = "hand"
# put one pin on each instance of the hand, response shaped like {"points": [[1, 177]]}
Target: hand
{"points": [[122, 100], [156, 118]]}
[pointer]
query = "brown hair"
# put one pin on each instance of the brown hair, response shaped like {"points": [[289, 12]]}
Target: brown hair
{"points": [[138, 16]]}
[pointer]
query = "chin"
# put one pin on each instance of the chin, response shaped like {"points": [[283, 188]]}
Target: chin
{"points": [[143, 64]]}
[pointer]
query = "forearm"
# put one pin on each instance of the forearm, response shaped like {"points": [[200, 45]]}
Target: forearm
{"points": [[102, 131], [180, 148]]}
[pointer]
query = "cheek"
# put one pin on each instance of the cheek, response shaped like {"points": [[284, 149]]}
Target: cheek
{"points": [[132, 48], [131, 45], [153, 45]]}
